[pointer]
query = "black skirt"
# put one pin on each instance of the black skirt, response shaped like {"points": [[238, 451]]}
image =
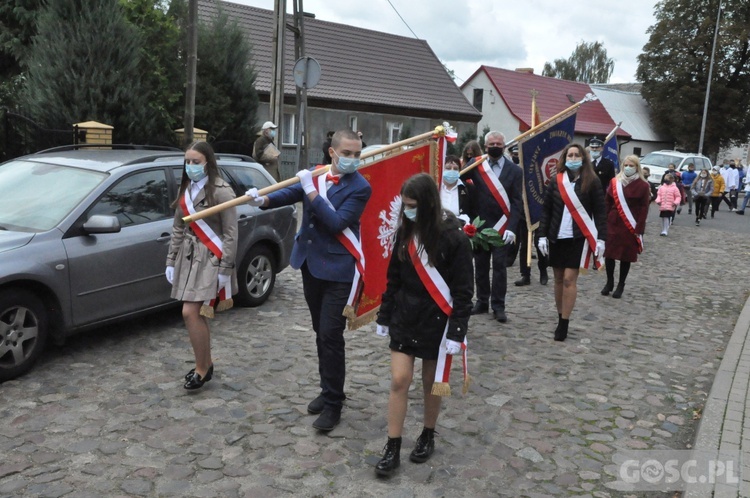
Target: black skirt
{"points": [[416, 351], [566, 253], [666, 214]]}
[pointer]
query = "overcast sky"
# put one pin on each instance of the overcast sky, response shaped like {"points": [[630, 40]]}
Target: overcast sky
{"points": [[465, 34]]}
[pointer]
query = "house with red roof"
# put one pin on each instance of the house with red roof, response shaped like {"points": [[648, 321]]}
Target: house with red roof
{"points": [[504, 98], [389, 87]]}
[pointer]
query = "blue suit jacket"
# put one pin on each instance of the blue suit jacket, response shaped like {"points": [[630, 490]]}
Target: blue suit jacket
{"points": [[316, 242]]}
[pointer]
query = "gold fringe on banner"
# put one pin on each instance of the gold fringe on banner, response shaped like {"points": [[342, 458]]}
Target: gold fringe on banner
{"points": [[207, 311], [441, 389], [356, 322], [225, 304], [467, 381]]}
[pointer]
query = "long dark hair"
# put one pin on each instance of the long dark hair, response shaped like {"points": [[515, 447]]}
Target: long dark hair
{"points": [[588, 175], [422, 188], [211, 168]]}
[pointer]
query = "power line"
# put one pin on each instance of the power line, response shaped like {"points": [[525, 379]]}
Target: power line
{"points": [[402, 19]]}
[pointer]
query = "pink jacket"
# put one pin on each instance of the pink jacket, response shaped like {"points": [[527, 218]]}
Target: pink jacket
{"points": [[668, 197]]}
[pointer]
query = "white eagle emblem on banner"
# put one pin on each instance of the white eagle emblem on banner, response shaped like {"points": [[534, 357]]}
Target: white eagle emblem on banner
{"points": [[389, 225]]}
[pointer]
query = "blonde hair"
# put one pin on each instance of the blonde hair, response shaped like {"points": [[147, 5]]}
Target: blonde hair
{"points": [[638, 169]]}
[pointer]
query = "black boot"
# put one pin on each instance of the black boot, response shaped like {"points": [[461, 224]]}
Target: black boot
{"points": [[617, 294], [543, 278], [608, 288], [561, 332], [391, 458], [424, 447]]}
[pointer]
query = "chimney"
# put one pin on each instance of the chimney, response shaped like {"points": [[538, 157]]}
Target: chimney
{"points": [[527, 70]]}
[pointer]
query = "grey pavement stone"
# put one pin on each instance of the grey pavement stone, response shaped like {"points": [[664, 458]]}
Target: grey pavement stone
{"points": [[540, 419]]}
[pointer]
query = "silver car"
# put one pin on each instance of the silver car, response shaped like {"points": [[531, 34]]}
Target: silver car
{"points": [[84, 236]]}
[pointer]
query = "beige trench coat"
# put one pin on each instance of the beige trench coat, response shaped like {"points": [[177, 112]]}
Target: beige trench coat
{"points": [[196, 269]]}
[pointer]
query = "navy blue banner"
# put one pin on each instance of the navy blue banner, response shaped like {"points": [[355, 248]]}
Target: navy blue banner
{"points": [[610, 151], [539, 155]]}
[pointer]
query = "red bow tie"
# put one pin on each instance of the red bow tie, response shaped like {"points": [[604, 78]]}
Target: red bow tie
{"points": [[334, 179]]}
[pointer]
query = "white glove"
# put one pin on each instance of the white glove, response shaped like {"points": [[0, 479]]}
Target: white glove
{"points": [[255, 199], [543, 246], [464, 218], [509, 237], [224, 280], [169, 274], [599, 248], [382, 330], [452, 347], [305, 180]]}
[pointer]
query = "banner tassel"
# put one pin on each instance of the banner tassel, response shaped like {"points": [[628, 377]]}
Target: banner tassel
{"points": [[441, 389]]}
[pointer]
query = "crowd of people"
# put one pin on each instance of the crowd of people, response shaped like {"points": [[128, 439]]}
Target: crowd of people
{"points": [[592, 215]]}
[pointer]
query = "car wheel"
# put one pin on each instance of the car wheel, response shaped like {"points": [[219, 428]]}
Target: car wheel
{"points": [[23, 332], [256, 276]]}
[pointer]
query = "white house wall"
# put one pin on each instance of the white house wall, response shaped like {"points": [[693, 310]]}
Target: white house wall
{"points": [[495, 113]]}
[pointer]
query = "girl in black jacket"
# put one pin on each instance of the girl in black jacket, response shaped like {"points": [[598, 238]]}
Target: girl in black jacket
{"points": [[411, 315], [560, 236]]}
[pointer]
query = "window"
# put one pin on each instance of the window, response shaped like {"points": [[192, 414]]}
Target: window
{"points": [[353, 123], [290, 129], [478, 96], [394, 132], [136, 199], [247, 177], [637, 151]]}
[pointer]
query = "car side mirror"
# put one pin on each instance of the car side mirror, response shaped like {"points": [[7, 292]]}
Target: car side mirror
{"points": [[102, 223]]}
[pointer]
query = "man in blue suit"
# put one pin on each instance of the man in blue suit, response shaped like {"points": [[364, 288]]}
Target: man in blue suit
{"points": [[332, 206], [499, 203]]}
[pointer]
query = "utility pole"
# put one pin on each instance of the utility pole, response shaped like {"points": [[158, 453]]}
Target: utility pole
{"points": [[192, 63], [276, 104], [302, 134], [710, 75]]}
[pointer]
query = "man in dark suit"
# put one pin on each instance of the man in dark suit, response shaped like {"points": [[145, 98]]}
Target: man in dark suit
{"points": [[499, 203], [330, 212], [605, 168]]}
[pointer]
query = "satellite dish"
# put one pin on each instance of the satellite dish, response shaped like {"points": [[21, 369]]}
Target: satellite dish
{"points": [[306, 72]]}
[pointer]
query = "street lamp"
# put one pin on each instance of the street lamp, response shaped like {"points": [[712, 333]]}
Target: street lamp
{"points": [[710, 72]]}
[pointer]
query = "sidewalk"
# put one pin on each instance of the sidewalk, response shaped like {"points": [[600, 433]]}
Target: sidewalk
{"points": [[724, 429]]}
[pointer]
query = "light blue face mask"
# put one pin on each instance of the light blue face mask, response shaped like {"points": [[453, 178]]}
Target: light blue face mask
{"points": [[347, 165], [629, 170], [196, 172], [411, 213], [450, 176], [272, 133], [573, 165]]}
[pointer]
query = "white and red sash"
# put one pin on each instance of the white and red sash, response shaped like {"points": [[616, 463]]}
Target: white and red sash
{"points": [[624, 211], [350, 242], [211, 240], [582, 219], [498, 193], [441, 294]]}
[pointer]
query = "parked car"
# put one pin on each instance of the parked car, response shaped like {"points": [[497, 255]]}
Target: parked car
{"points": [[84, 235], [658, 161]]}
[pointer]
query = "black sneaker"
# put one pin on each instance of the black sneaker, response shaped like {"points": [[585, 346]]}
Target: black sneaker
{"points": [[316, 406]]}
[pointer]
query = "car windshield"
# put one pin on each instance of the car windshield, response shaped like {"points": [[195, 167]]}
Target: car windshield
{"points": [[662, 160], [37, 196]]}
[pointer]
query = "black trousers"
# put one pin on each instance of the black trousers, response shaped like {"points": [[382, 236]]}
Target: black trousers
{"points": [[494, 296], [715, 202], [523, 239], [326, 301], [701, 207]]}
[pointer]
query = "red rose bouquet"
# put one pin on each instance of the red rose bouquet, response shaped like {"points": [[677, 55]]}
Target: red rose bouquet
{"points": [[482, 239]]}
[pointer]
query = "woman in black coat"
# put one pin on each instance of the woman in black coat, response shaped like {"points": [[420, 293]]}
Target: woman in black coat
{"points": [[560, 236], [411, 315]]}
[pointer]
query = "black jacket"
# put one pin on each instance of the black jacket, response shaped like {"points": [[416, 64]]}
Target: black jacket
{"points": [[552, 212], [466, 196], [605, 170], [408, 309], [485, 204]]}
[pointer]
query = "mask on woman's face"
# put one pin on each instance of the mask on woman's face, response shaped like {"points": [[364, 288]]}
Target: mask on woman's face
{"points": [[450, 176], [704, 174], [411, 213], [629, 170], [196, 172], [573, 165]]}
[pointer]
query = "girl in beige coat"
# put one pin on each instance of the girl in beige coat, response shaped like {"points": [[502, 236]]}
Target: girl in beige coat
{"points": [[200, 263]]}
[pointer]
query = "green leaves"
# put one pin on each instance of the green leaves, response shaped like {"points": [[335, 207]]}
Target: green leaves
{"points": [[588, 63]]}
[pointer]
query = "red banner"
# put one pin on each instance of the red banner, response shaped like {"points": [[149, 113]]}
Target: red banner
{"points": [[380, 220]]}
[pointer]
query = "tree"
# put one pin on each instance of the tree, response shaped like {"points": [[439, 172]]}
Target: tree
{"points": [[588, 63], [226, 102], [161, 64], [84, 65], [674, 70], [17, 27]]}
